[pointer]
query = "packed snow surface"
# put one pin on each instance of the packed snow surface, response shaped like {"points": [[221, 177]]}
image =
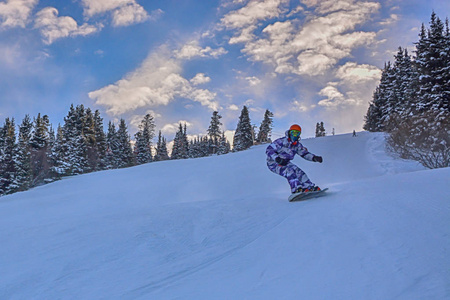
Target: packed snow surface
{"points": [[221, 228]]}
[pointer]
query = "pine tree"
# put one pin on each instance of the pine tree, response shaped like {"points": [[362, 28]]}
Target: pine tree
{"points": [[224, 145], [214, 131], [60, 166], [382, 103], [100, 140], [89, 136], [180, 148], [23, 159], [2, 155], [39, 149], [411, 102], [243, 137], [265, 129], [176, 148], [112, 152], [144, 137], [75, 143], [320, 129], [161, 149], [125, 153], [8, 166]]}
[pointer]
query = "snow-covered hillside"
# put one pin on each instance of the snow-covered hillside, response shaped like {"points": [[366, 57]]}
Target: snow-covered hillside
{"points": [[222, 228]]}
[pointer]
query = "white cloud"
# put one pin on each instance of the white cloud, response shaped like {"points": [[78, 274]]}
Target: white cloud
{"points": [[353, 73], [334, 97], [93, 7], [156, 82], [53, 27], [252, 13], [200, 78], [129, 14], [15, 13], [393, 18], [233, 107], [124, 12], [310, 48], [192, 50], [173, 128], [252, 80], [299, 106], [135, 120], [357, 80]]}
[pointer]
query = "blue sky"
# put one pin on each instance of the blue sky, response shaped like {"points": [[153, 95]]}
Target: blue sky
{"points": [[305, 60]]}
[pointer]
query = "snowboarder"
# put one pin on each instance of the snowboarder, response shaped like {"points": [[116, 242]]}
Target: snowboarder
{"points": [[279, 155]]}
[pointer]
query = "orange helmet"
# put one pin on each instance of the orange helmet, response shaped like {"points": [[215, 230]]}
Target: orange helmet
{"points": [[295, 127], [294, 133]]}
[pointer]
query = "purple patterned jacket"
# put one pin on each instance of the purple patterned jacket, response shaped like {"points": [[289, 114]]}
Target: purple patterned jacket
{"points": [[285, 148]]}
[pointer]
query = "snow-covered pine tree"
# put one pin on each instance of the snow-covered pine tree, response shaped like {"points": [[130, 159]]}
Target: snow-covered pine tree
{"points": [[100, 139], [265, 129], [2, 154], [185, 143], [75, 144], [144, 137], [214, 132], [180, 148], [320, 129], [90, 140], [39, 149], [125, 153], [224, 145], [8, 166], [23, 157], [60, 166], [176, 148], [243, 137], [380, 107], [372, 119], [194, 148], [386, 97], [161, 149], [112, 151], [414, 105]]}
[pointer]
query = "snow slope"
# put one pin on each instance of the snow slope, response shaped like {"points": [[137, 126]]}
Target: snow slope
{"points": [[179, 230]]}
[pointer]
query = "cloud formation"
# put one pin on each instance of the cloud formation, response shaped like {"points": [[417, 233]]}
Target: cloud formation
{"points": [[124, 12], [192, 50], [358, 80], [53, 27], [252, 13], [310, 48], [16, 13], [352, 73], [200, 78], [156, 82]]}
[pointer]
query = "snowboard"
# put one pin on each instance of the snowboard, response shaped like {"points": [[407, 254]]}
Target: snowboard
{"points": [[305, 196]]}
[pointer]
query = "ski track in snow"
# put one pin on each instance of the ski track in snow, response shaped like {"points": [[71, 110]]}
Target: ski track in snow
{"points": [[180, 230]]}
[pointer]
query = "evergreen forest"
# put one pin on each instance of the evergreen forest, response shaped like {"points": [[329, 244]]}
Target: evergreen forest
{"points": [[33, 152], [411, 103]]}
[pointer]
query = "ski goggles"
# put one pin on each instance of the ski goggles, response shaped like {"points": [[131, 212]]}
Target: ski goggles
{"points": [[295, 133]]}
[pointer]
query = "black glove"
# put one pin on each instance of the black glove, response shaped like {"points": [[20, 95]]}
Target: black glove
{"points": [[281, 161], [318, 159]]}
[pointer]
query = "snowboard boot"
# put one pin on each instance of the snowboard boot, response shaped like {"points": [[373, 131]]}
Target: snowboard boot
{"points": [[315, 189], [307, 190]]}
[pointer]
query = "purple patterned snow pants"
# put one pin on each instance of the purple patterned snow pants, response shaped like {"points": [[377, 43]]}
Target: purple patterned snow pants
{"points": [[294, 175]]}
